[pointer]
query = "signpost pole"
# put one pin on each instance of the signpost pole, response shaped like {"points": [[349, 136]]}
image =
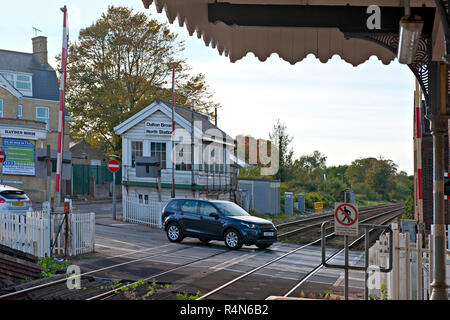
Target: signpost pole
{"points": [[366, 258], [114, 196], [49, 197], [346, 268], [2, 159], [113, 167], [173, 131]]}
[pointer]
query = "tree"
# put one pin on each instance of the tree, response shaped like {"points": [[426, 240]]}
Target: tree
{"points": [[281, 140], [312, 162], [380, 177], [118, 66]]}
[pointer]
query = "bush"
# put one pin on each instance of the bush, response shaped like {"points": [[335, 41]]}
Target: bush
{"points": [[312, 197]]}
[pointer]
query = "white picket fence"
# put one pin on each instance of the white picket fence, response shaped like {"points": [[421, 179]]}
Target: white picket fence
{"points": [[136, 211], [412, 271], [30, 233]]}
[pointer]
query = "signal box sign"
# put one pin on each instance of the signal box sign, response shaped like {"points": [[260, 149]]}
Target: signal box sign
{"points": [[346, 219]]}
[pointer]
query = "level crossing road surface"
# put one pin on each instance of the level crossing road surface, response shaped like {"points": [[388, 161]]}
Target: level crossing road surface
{"points": [[118, 242]]}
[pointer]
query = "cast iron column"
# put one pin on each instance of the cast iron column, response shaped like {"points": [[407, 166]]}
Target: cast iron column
{"points": [[439, 125]]}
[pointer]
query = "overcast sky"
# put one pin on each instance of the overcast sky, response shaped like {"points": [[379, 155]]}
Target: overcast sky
{"points": [[344, 112]]}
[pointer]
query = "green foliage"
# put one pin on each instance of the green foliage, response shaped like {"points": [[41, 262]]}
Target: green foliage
{"points": [[373, 180], [281, 141], [186, 296], [118, 66], [409, 206], [383, 292], [131, 290], [251, 172], [333, 188], [51, 265]]}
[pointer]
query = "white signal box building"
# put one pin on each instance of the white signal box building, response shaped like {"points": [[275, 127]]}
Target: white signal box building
{"points": [[202, 166]]}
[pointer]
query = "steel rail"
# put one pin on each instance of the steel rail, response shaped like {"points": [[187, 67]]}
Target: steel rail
{"points": [[283, 256], [319, 267], [295, 231], [52, 283], [110, 293], [330, 214]]}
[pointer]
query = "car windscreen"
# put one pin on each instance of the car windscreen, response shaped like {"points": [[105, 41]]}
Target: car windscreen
{"points": [[230, 209], [13, 195]]}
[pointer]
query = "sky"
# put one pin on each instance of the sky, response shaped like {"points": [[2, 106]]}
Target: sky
{"points": [[344, 112]]}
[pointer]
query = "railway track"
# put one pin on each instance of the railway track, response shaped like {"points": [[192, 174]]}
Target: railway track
{"points": [[304, 230], [391, 214], [100, 289]]}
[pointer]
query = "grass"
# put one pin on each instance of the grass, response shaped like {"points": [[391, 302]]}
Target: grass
{"points": [[365, 203], [260, 215]]}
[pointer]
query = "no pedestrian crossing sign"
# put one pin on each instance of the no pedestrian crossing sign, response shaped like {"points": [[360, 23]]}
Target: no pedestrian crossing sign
{"points": [[345, 219], [113, 166]]}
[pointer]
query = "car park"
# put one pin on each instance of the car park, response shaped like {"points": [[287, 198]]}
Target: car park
{"points": [[216, 220], [14, 200]]}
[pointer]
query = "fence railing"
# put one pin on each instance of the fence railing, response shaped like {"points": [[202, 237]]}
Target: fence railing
{"points": [[412, 271], [30, 233], [137, 211]]}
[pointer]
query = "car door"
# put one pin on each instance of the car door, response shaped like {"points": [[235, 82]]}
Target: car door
{"points": [[190, 219], [211, 227]]}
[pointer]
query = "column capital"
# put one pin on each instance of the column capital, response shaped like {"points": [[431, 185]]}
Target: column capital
{"points": [[438, 123]]}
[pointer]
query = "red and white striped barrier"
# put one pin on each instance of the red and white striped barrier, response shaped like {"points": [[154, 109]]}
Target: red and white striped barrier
{"points": [[61, 103]]}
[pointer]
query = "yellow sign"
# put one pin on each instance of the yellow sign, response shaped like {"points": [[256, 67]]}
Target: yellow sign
{"points": [[318, 207]]}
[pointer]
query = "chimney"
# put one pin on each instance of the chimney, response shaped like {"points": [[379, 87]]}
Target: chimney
{"points": [[40, 49]]}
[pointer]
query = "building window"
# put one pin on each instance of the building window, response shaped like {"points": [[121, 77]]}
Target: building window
{"points": [[21, 82], [137, 148], [43, 115], [143, 198], [19, 111], [183, 157], [1, 108], [159, 152]]}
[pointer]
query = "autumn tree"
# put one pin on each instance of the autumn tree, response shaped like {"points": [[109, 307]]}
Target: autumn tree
{"points": [[118, 66], [281, 139]]}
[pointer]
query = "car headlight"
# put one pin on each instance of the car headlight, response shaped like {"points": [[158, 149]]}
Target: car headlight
{"points": [[249, 225]]}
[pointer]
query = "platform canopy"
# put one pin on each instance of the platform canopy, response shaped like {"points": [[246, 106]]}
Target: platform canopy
{"points": [[293, 28]]}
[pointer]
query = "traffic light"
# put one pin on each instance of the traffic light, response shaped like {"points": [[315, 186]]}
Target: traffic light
{"points": [[447, 186]]}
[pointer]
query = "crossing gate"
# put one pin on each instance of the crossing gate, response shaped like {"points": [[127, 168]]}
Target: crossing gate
{"points": [[142, 211], [30, 233]]}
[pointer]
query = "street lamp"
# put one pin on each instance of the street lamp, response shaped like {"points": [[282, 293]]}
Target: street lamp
{"points": [[411, 26]]}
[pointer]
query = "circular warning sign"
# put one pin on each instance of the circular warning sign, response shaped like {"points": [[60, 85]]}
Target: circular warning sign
{"points": [[346, 214], [113, 166], [2, 156]]}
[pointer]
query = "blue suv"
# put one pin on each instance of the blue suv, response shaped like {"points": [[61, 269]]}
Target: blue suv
{"points": [[216, 220]]}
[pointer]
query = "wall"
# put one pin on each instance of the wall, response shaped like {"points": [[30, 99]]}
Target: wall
{"points": [[34, 186]]}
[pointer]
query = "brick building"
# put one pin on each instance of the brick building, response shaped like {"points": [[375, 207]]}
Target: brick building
{"points": [[29, 109]]}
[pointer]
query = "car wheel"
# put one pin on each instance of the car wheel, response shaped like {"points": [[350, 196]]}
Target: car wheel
{"points": [[174, 233], [233, 239], [263, 245]]}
